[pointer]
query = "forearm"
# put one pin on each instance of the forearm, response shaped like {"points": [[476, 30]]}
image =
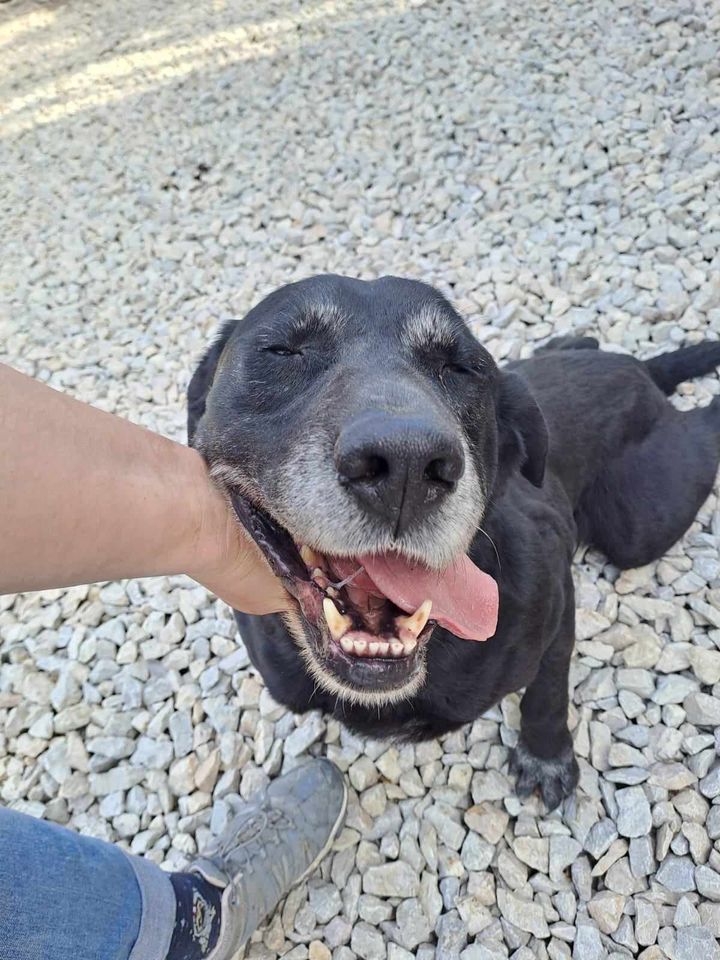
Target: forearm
{"points": [[88, 496]]}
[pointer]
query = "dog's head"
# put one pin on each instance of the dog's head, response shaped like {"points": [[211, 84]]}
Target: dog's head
{"points": [[360, 431]]}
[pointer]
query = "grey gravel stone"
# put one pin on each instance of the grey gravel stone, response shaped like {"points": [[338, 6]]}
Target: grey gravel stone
{"points": [[391, 880], [646, 922], [587, 944], [181, 731], [696, 943], [677, 874], [325, 901], [673, 689], [563, 853], [452, 937], [487, 820], [522, 913], [606, 909], [119, 778], [634, 818], [413, 926], [707, 881], [702, 709], [601, 835], [305, 735], [685, 914], [641, 856], [367, 942], [710, 785]]}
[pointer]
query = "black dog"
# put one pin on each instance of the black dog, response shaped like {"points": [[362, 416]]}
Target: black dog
{"points": [[399, 482]]}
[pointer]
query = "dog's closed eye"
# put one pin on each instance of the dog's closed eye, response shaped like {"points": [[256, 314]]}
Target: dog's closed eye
{"points": [[280, 350], [463, 369]]}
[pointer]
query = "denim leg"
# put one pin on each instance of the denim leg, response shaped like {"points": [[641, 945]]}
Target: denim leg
{"points": [[68, 897]]}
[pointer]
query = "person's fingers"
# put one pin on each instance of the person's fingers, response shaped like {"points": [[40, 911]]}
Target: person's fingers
{"points": [[232, 566], [246, 581], [225, 559]]}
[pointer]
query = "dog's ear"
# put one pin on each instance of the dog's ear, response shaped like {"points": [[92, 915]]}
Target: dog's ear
{"points": [[202, 379], [523, 431]]}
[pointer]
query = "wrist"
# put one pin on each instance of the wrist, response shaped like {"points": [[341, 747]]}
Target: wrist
{"points": [[214, 550], [202, 525]]}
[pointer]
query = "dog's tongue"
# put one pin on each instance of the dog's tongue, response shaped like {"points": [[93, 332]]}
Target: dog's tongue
{"points": [[464, 598]]}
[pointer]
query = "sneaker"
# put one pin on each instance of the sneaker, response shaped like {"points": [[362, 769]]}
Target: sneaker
{"points": [[274, 843]]}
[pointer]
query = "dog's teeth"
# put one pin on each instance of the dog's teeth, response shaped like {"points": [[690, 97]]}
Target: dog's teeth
{"points": [[397, 649], [417, 621], [373, 648], [319, 578], [309, 556], [332, 592], [361, 647], [347, 644], [338, 624], [383, 648], [409, 646]]}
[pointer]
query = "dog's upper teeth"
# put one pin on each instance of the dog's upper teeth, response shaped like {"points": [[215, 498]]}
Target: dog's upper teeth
{"points": [[319, 578], [336, 621], [417, 621], [408, 638], [311, 558]]}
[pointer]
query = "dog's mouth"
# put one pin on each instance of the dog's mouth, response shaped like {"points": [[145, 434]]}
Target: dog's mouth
{"points": [[368, 618]]}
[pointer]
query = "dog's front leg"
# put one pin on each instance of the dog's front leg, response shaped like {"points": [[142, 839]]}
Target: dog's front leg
{"points": [[544, 759]]}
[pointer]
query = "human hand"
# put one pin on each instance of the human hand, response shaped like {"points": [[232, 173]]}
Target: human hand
{"points": [[226, 561], [88, 496]]}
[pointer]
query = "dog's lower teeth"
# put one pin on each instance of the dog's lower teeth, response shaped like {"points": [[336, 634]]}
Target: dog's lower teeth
{"points": [[359, 647], [336, 621], [417, 621]]}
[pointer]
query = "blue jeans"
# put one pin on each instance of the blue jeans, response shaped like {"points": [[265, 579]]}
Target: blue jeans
{"points": [[67, 897]]}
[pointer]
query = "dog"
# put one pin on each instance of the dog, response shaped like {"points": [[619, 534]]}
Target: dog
{"points": [[422, 505]]}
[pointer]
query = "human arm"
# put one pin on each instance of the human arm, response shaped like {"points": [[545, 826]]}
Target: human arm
{"points": [[87, 496]]}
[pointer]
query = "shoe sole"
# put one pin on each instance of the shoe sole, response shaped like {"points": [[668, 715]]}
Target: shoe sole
{"points": [[330, 841]]}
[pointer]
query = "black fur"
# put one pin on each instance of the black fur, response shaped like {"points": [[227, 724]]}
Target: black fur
{"points": [[586, 449]]}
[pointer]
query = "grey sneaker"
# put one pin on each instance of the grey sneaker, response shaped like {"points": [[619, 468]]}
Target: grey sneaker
{"points": [[276, 841]]}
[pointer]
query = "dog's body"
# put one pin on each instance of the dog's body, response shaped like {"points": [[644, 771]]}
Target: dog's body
{"points": [[625, 472]]}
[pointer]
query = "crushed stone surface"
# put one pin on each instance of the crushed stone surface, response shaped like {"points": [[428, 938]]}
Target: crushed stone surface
{"points": [[553, 167]]}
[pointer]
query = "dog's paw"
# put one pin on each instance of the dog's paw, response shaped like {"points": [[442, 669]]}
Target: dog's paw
{"points": [[554, 778]]}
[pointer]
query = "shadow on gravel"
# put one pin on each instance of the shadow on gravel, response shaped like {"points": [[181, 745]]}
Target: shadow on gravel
{"points": [[56, 61]]}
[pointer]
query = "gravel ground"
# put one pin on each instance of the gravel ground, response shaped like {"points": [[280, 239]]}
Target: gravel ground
{"points": [[553, 167]]}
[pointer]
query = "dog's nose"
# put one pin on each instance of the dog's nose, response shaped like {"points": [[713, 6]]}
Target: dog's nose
{"points": [[398, 467]]}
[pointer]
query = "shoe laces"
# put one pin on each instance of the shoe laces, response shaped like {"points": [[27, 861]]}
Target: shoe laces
{"points": [[260, 830]]}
